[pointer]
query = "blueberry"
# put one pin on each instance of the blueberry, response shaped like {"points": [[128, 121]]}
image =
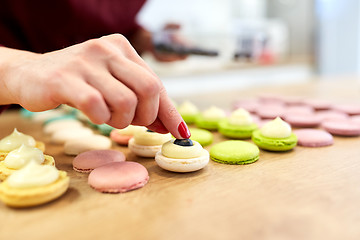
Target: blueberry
{"points": [[149, 130], [184, 142]]}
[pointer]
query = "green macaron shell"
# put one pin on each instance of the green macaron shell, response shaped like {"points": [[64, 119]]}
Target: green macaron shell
{"points": [[234, 131], [202, 136], [189, 118], [234, 152], [209, 124], [274, 144]]}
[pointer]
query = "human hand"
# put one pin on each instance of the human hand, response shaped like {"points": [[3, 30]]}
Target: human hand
{"points": [[104, 78]]}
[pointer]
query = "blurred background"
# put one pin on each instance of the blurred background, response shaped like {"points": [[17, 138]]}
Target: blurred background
{"points": [[242, 43]]}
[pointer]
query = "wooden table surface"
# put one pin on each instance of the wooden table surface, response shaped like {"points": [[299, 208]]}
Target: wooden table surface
{"points": [[307, 193]]}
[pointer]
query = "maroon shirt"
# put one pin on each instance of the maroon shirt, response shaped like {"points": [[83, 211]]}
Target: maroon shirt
{"points": [[47, 25]]}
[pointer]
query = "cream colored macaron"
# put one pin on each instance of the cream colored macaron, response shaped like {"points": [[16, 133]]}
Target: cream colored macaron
{"points": [[146, 143], [182, 155], [87, 143]]}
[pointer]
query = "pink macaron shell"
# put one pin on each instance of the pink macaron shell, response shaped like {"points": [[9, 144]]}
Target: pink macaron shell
{"points": [[89, 160], [342, 127], [298, 109], [308, 137], [270, 111], [318, 104], [331, 115], [303, 120], [355, 119], [351, 109], [120, 138], [249, 105], [118, 177]]}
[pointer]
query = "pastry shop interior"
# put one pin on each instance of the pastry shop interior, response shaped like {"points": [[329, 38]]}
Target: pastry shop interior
{"points": [[270, 94]]}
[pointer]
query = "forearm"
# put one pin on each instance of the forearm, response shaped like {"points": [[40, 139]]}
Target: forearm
{"points": [[8, 57]]}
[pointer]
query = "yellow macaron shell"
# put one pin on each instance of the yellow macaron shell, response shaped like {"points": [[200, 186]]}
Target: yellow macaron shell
{"points": [[33, 175], [15, 140], [145, 138], [276, 128], [171, 150], [21, 156]]}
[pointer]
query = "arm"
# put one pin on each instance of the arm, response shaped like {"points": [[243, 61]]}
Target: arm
{"points": [[104, 78]]}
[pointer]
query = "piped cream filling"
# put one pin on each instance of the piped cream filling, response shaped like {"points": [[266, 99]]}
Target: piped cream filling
{"points": [[187, 108], [15, 140], [276, 128], [171, 150], [33, 175], [21, 156], [240, 117], [143, 137], [214, 113]]}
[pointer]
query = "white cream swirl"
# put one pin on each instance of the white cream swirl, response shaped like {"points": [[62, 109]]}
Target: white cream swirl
{"points": [[276, 128], [21, 156], [240, 117], [214, 113], [187, 108], [171, 150], [33, 175], [143, 137], [15, 140]]}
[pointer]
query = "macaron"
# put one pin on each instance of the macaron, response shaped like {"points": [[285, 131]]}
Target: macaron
{"points": [[239, 125], [92, 142], [118, 177], [87, 161], [346, 128], [146, 143], [234, 152], [63, 135], [350, 109], [33, 185], [202, 136], [271, 111], [122, 136], [303, 120], [210, 118], [188, 111], [275, 135], [182, 155], [309, 137], [59, 125]]}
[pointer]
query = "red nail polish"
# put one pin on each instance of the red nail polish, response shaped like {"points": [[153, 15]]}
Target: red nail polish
{"points": [[183, 130]]}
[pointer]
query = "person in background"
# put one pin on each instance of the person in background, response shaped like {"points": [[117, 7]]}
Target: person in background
{"points": [[84, 53]]}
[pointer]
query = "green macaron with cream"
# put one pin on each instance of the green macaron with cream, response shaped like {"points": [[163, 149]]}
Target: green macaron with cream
{"points": [[275, 135]]}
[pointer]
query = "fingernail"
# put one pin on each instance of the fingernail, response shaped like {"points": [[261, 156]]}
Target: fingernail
{"points": [[184, 130]]}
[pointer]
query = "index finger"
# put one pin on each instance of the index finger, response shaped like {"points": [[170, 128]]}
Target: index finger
{"points": [[171, 118]]}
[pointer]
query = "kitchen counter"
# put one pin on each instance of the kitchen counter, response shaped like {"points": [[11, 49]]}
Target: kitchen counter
{"points": [[306, 193]]}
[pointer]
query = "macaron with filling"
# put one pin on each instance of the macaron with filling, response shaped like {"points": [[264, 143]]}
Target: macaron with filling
{"points": [[275, 135], [15, 140], [147, 143], [182, 155], [118, 177], [209, 118], [239, 125], [32, 185], [236, 152], [188, 111]]}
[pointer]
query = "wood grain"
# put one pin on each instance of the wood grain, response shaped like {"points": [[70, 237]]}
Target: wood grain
{"points": [[307, 193]]}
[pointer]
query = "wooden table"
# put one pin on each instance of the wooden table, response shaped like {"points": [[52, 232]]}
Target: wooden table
{"points": [[307, 193]]}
